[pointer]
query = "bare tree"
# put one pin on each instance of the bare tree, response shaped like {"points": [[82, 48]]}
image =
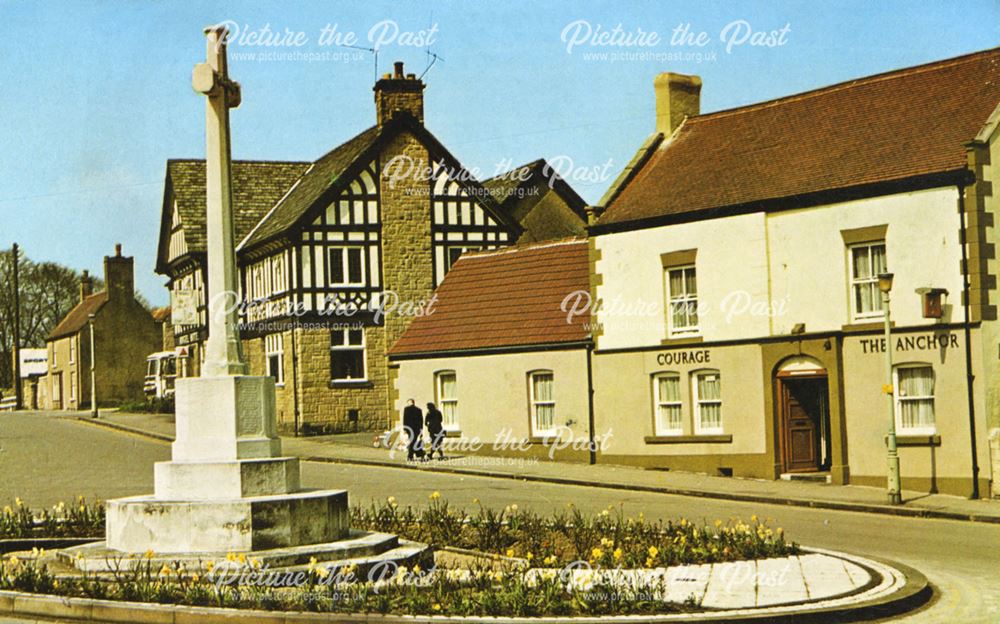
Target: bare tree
{"points": [[48, 291]]}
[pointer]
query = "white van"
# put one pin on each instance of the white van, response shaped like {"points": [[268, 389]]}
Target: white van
{"points": [[161, 372]]}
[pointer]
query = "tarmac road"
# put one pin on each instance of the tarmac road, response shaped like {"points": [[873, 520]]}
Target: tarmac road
{"points": [[45, 459]]}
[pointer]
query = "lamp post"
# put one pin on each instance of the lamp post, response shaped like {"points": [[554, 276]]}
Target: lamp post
{"points": [[93, 374], [895, 497]]}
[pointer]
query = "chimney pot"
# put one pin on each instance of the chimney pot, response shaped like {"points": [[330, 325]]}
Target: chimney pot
{"points": [[398, 92], [86, 285], [118, 250], [678, 96]]}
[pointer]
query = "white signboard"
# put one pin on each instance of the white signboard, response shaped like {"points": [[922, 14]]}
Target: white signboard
{"points": [[184, 307], [33, 362]]}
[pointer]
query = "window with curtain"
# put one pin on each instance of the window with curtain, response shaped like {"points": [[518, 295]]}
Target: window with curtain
{"points": [[667, 390], [543, 404], [915, 399], [682, 298], [867, 261], [707, 393], [447, 399]]}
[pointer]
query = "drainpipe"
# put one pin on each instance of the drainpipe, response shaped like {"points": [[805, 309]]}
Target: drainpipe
{"points": [[969, 376], [590, 403], [295, 380]]}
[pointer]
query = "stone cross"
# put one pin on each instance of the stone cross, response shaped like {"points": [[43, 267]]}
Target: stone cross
{"points": [[223, 353]]}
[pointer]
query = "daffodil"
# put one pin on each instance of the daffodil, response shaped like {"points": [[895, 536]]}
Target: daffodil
{"points": [[653, 551], [18, 501], [617, 554], [513, 507], [242, 558], [149, 554], [510, 552], [596, 554], [437, 606], [165, 570], [435, 495]]}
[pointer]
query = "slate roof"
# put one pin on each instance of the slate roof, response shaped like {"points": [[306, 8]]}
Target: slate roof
{"points": [[257, 186], [881, 129], [504, 189], [77, 318], [508, 298]]}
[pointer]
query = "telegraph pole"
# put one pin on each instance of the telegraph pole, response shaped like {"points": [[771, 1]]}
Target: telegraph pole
{"points": [[18, 391]]}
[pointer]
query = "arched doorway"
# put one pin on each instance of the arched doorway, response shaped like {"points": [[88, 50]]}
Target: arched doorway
{"points": [[803, 415]]}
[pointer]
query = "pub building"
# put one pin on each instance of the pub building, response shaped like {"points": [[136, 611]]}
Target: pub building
{"points": [[759, 234]]}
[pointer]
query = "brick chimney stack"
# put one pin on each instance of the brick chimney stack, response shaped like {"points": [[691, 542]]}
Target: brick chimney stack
{"points": [[677, 96], [86, 285], [398, 92], [118, 275]]}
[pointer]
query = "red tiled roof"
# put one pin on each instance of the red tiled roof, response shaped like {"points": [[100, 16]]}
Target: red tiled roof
{"points": [[77, 318], [504, 298], [883, 128]]}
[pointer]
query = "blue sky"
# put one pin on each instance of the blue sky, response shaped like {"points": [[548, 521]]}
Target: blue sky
{"points": [[96, 96]]}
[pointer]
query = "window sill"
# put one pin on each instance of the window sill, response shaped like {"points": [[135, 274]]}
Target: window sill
{"points": [[544, 440], [702, 438], [350, 383], [453, 433], [916, 439], [682, 340]]}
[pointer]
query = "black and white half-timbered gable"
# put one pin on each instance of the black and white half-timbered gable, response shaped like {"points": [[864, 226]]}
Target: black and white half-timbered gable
{"points": [[329, 249]]}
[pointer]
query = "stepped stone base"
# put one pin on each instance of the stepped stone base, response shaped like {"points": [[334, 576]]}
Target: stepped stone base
{"points": [[142, 523], [226, 479], [366, 550]]}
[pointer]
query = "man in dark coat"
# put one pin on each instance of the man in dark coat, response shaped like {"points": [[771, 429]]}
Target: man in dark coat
{"points": [[413, 424], [435, 427]]}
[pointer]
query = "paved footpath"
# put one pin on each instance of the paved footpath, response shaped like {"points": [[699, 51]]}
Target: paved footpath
{"points": [[358, 449]]}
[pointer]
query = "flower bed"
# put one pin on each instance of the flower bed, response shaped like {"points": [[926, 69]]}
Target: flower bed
{"points": [[498, 585], [609, 539], [75, 520]]}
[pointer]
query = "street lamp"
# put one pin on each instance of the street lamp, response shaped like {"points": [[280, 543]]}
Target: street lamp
{"points": [[93, 374], [895, 496]]}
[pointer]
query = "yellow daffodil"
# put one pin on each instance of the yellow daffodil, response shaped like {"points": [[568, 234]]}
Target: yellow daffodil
{"points": [[435, 495], [149, 554], [617, 554], [596, 553], [195, 577], [718, 523], [513, 507], [210, 566], [653, 551], [7, 510], [322, 572], [437, 606], [165, 570], [510, 552], [18, 501], [475, 501], [753, 518]]}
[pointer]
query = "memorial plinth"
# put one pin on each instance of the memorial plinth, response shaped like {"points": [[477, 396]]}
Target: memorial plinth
{"points": [[227, 488]]}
